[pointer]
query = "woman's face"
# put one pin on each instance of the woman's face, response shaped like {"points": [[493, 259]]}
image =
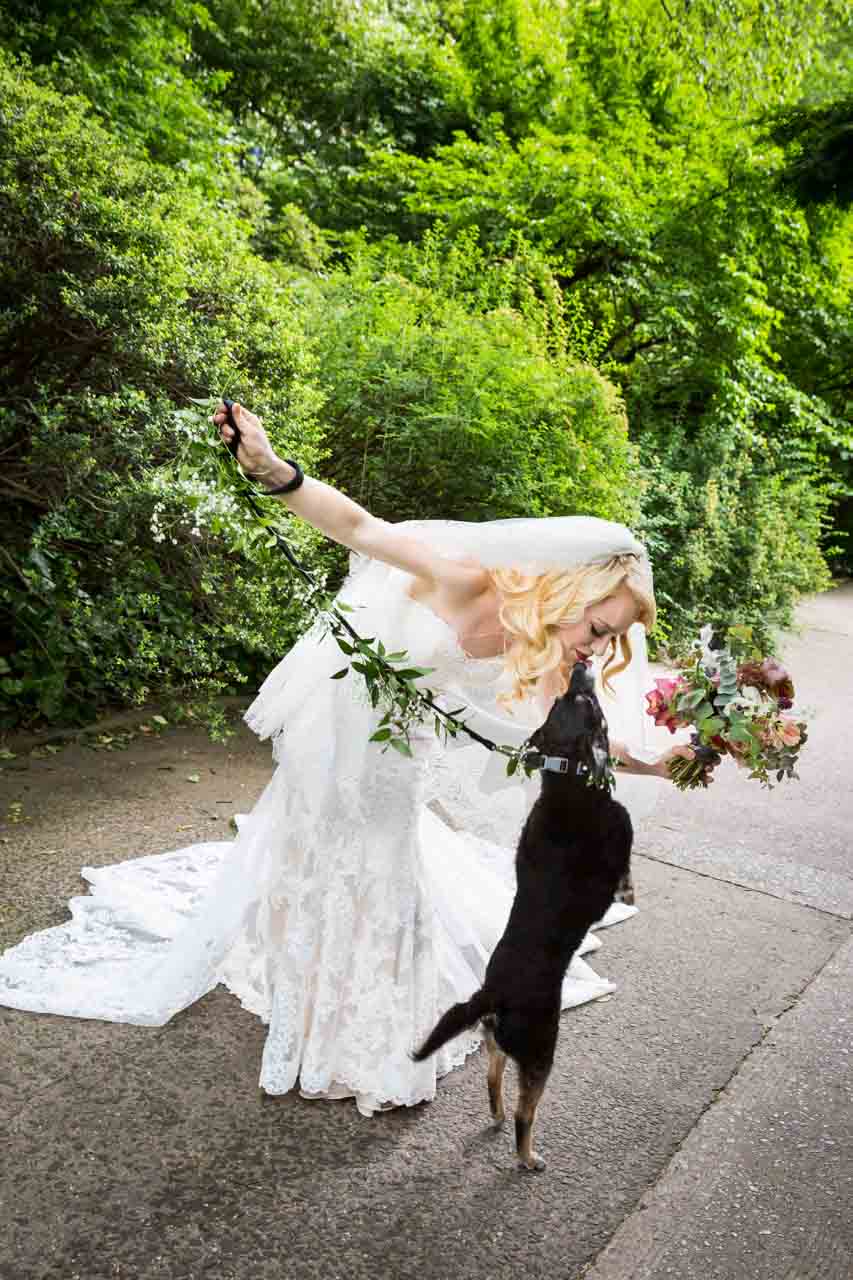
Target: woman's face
{"points": [[591, 636]]}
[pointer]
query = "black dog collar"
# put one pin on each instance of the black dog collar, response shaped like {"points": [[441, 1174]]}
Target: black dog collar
{"points": [[555, 764], [572, 768]]}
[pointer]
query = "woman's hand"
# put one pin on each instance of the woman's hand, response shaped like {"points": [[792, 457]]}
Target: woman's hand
{"points": [[254, 453], [646, 768], [661, 766]]}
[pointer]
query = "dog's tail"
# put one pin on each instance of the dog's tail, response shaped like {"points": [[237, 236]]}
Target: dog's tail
{"points": [[459, 1017]]}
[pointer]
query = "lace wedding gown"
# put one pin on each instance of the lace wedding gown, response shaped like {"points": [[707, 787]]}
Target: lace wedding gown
{"points": [[348, 913]]}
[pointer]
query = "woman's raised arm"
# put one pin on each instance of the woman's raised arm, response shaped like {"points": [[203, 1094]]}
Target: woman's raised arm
{"points": [[343, 520]]}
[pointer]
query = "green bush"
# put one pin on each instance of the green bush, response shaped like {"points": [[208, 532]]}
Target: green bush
{"points": [[125, 293], [736, 546], [453, 389]]}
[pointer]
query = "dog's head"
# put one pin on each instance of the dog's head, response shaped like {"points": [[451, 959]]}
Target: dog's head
{"points": [[576, 729]]}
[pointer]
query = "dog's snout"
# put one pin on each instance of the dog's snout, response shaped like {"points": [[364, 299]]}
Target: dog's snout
{"points": [[582, 680]]}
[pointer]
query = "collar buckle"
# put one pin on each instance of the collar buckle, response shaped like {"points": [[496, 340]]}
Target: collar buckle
{"points": [[556, 764]]}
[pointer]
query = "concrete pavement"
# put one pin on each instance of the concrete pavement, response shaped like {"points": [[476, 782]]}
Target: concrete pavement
{"points": [[763, 1186], [698, 1122]]}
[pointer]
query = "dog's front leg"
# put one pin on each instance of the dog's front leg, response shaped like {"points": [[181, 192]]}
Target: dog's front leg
{"points": [[497, 1062], [531, 1086]]}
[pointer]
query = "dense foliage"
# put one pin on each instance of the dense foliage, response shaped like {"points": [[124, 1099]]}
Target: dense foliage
{"points": [[455, 388], [124, 293], [444, 246]]}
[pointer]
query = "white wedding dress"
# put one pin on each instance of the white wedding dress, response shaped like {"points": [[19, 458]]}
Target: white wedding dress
{"points": [[362, 895]]}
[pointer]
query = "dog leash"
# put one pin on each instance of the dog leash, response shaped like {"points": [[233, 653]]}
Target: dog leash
{"points": [[285, 547], [248, 495]]}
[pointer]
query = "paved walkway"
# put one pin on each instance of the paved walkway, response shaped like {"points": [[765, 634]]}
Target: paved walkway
{"points": [[698, 1123]]}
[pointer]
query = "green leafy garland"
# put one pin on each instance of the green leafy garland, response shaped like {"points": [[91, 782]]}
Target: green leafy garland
{"points": [[391, 684]]}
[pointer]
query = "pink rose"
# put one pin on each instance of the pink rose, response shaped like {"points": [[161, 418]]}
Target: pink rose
{"points": [[783, 732], [660, 704], [669, 688]]}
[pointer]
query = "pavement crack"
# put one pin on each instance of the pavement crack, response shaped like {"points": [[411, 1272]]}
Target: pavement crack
{"points": [[739, 884]]}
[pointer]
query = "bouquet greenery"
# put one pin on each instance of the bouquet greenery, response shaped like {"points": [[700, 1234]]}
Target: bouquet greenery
{"points": [[736, 700]]}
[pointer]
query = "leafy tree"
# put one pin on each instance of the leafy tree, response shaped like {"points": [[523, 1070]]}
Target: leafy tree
{"points": [[423, 221], [820, 163], [124, 571], [133, 64]]}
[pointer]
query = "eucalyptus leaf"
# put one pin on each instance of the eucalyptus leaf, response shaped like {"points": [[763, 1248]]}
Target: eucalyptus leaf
{"points": [[739, 733]]}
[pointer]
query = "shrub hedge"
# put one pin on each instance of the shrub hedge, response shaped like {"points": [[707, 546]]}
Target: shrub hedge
{"points": [[129, 567]]}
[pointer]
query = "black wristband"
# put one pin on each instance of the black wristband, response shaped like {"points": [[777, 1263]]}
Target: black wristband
{"points": [[291, 485]]}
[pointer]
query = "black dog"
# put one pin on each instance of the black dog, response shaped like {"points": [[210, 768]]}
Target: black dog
{"points": [[574, 850]]}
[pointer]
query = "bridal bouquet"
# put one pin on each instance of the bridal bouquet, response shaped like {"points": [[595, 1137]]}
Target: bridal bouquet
{"points": [[736, 702]]}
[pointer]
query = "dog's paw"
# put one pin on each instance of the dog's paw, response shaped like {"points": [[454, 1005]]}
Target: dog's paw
{"points": [[535, 1164]]}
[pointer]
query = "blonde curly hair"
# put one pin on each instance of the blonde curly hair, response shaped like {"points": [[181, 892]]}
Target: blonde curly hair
{"points": [[533, 607]]}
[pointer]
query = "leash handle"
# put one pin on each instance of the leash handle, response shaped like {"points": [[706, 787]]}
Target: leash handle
{"points": [[232, 445]]}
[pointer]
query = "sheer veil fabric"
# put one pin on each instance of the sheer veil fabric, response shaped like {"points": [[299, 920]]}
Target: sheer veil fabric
{"points": [[365, 891]]}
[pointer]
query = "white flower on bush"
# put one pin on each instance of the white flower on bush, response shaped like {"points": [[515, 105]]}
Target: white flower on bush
{"points": [[205, 505], [157, 531]]}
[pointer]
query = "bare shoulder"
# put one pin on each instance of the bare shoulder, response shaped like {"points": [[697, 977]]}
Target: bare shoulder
{"points": [[464, 597], [459, 590]]}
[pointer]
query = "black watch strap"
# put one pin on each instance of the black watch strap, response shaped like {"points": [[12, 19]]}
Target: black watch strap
{"points": [[292, 484]]}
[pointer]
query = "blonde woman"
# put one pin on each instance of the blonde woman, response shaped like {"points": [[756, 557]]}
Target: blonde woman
{"points": [[347, 914]]}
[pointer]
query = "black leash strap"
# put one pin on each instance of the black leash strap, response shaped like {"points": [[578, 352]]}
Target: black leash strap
{"points": [[283, 544]]}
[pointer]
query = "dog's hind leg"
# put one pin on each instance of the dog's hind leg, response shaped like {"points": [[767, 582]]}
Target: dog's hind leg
{"points": [[625, 889], [497, 1062], [531, 1086]]}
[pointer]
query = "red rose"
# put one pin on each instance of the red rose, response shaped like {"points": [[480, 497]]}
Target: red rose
{"points": [[770, 677]]}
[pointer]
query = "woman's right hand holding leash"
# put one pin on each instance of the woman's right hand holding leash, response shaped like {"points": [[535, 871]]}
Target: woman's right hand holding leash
{"points": [[254, 451]]}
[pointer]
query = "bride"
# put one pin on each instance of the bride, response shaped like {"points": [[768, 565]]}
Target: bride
{"points": [[357, 903]]}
